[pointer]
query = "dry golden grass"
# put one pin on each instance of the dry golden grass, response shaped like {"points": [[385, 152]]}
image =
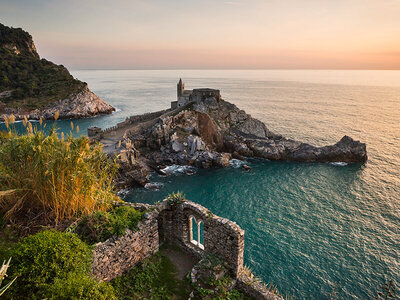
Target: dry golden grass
{"points": [[52, 178]]}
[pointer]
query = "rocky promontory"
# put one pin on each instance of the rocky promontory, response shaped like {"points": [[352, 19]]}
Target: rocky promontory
{"points": [[83, 104], [37, 88], [206, 134]]}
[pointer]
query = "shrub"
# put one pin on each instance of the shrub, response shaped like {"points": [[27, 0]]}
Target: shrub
{"points": [[101, 226], [42, 258], [78, 286], [53, 178], [176, 198]]}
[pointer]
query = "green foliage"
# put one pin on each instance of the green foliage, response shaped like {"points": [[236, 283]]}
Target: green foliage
{"points": [[100, 226], [79, 286], [51, 179], [176, 198], [34, 82], [154, 278], [40, 259], [19, 38]]}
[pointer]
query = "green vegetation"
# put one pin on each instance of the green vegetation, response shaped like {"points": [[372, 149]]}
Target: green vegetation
{"points": [[176, 198], [34, 82], [214, 287], [48, 179], [219, 289], [40, 259], [154, 278], [19, 38], [79, 286], [100, 226]]}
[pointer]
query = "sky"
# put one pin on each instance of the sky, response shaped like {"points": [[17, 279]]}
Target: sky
{"points": [[211, 34]]}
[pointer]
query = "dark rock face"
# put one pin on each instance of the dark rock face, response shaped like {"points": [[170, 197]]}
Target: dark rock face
{"points": [[246, 136]]}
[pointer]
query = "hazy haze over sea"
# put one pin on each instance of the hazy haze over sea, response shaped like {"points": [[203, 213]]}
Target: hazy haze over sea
{"points": [[309, 227]]}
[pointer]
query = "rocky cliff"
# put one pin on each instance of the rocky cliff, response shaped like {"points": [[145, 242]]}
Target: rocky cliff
{"points": [[83, 104], [34, 87], [211, 133]]}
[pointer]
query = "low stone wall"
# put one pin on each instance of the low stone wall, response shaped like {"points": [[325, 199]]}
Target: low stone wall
{"points": [[117, 255], [147, 116], [96, 131]]}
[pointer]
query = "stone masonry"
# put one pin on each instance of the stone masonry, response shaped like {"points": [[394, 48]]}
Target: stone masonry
{"points": [[171, 222], [117, 255], [221, 236]]}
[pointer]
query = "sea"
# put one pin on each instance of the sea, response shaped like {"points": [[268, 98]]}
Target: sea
{"points": [[313, 230]]}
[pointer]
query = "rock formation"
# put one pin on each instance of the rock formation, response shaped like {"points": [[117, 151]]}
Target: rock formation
{"points": [[84, 104], [213, 132]]}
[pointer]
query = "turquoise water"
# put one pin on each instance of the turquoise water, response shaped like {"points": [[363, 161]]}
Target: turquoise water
{"points": [[322, 227]]}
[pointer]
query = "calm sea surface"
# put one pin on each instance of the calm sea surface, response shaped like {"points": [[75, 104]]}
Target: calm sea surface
{"points": [[311, 229]]}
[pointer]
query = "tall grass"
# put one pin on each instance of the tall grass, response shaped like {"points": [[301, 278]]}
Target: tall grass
{"points": [[52, 178]]}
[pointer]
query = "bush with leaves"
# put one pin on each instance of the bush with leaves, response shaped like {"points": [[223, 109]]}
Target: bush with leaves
{"points": [[40, 259], [79, 286], [176, 198]]}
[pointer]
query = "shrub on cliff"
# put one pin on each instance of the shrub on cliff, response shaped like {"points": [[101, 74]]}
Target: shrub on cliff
{"points": [[79, 286], [40, 259], [101, 226], [49, 178]]}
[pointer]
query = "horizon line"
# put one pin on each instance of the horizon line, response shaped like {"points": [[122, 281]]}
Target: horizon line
{"points": [[230, 69]]}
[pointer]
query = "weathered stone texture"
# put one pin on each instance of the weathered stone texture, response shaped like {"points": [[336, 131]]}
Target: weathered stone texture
{"points": [[170, 223], [117, 255], [221, 236]]}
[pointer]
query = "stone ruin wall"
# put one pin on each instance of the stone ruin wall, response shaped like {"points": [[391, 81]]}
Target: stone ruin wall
{"points": [[221, 236], [117, 255], [169, 223]]}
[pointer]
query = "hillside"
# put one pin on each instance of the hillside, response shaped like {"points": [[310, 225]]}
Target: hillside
{"points": [[28, 83]]}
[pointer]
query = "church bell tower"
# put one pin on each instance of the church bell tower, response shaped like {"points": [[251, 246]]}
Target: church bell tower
{"points": [[180, 88]]}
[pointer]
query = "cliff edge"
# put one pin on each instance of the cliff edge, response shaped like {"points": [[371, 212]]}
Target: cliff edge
{"points": [[37, 88]]}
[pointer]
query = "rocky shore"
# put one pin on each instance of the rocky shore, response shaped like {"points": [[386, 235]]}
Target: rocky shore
{"points": [[210, 134], [83, 104]]}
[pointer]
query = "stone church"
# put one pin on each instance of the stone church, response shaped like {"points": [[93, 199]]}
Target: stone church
{"points": [[195, 95]]}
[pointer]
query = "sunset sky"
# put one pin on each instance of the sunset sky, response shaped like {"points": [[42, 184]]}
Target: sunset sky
{"points": [[212, 34]]}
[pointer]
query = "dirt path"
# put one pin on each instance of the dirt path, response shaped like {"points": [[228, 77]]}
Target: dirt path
{"points": [[181, 260]]}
